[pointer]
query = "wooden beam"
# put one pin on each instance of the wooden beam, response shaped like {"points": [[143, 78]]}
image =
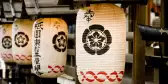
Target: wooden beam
{"points": [[139, 45], [51, 10], [163, 74], [156, 76], [130, 28]]}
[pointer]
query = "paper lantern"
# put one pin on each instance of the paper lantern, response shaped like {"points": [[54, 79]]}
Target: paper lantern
{"points": [[157, 2], [100, 44], [22, 45], [49, 47], [156, 22], [6, 43]]}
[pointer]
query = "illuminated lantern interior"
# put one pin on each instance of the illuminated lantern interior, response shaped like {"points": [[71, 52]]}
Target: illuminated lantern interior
{"points": [[49, 47], [6, 43], [22, 41], [100, 44]]}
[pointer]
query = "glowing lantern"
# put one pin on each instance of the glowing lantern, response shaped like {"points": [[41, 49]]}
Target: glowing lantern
{"points": [[100, 44], [22, 45], [49, 47], [6, 43], [157, 2]]}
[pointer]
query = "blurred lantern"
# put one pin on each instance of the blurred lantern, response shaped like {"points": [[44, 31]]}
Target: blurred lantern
{"points": [[49, 47], [156, 22], [21, 41], [157, 2], [6, 43], [100, 44]]}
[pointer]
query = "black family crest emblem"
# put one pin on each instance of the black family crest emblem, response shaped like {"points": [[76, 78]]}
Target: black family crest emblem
{"points": [[21, 39], [60, 41], [96, 40], [7, 42]]}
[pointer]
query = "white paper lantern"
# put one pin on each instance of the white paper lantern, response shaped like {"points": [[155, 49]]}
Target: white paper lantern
{"points": [[22, 41], [49, 47], [100, 44], [157, 2], [6, 43]]}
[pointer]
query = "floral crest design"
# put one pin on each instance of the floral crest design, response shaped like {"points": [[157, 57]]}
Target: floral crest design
{"points": [[60, 41], [21, 39], [7, 42], [96, 40]]}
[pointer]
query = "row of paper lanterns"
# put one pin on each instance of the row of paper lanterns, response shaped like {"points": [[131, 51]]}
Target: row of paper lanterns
{"points": [[100, 44], [45, 40]]}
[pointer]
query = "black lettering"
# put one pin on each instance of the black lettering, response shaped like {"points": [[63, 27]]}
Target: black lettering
{"points": [[88, 15], [36, 60], [36, 50], [39, 25], [37, 33]]}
